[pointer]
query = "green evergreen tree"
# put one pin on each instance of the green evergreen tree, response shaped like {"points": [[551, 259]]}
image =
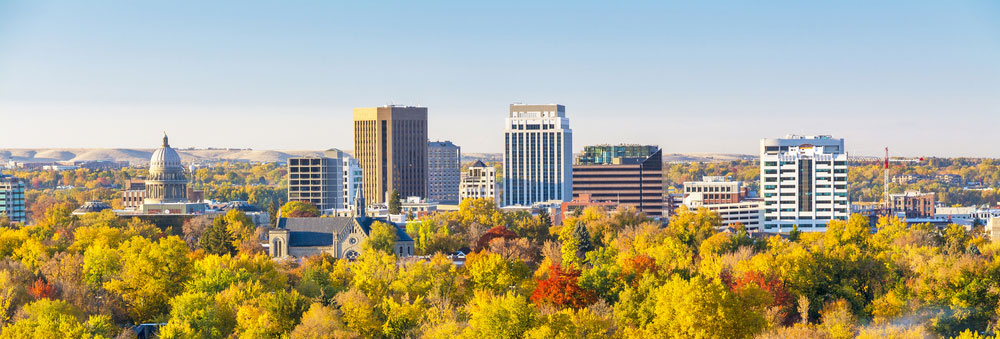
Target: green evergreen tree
{"points": [[272, 211], [217, 239], [543, 216], [395, 205], [794, 234], [583, 238]]}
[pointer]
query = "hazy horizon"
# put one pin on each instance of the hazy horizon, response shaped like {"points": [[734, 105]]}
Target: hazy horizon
{"points": [[922, 78]]}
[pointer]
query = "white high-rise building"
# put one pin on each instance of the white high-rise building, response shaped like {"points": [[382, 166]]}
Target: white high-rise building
{"points": [[803, 182], [538, 155]]}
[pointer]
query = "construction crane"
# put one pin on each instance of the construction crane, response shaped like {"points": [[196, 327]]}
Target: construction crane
{"points": [[885, 186]]}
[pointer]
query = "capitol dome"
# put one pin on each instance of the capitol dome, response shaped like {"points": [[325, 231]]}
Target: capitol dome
{"points": [[166, 182], [164, 157]]}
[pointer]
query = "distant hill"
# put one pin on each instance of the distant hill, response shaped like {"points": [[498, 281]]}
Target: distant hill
{"points": [[141, 156], [485, 157], [676, 157], [706, 157]]}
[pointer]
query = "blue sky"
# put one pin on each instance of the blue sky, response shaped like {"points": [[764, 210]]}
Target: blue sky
{"points": [[922, 77]]}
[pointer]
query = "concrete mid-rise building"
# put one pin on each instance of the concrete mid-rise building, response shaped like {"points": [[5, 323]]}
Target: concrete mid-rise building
{"points": [[12, 198], [444, 171], [730, 199], [479, 182], [324, 181], [717, 190], [390, 142], [629, 175], [993, 228], [538, 155], [134, 194], [803, 182]]}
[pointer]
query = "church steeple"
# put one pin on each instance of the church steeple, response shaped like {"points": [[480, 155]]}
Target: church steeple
{"points": [[360, 209]]}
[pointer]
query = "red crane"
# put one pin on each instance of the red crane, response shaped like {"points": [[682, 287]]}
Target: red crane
{"points": [[885, 186]]}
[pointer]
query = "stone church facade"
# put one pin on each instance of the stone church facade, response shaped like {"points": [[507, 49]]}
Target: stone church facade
{"points": [[341, 237]]}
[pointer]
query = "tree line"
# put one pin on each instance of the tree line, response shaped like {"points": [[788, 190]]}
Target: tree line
{"points": [[597, 274]]}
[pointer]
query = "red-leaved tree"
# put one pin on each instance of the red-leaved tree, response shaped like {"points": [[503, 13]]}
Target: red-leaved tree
{"points": [[561, 289], [635, 267], [41, 290], [770, 283], [494, 233]]}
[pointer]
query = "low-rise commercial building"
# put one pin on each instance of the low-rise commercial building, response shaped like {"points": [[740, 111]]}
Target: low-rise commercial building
{"points": [[730, 199]]}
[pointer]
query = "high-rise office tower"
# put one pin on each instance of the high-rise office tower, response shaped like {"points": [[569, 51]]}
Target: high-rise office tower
{"points": [[538, 155], [444, 171], [325, 181], [630, 175], [12, 198], [390, 142], [803, 182]]}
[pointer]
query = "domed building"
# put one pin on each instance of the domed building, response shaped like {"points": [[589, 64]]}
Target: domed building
{"points": [[166, 184], [94, 206]]}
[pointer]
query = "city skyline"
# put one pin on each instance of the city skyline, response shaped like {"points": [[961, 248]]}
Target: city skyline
{"points": [[689, 78]]}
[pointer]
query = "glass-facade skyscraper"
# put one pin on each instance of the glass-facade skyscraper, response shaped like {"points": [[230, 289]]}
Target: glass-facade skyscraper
{"points": [[538, 155]]}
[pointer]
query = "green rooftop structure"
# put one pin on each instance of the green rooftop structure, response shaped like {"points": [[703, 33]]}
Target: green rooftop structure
{"points": [[615, 154]]}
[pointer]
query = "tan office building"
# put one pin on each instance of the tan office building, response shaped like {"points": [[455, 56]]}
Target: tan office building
{"points": [[390, 142]]}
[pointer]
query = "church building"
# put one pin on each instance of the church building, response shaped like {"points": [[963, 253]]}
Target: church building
{"points": [[341, 236]]}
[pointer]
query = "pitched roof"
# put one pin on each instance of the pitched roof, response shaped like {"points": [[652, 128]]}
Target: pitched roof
{"points": [[313, 231], [320, 231], [479, 163], [366, 225]]}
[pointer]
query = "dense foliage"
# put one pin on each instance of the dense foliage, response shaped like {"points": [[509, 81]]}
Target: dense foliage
{"points": [[598, 274]]}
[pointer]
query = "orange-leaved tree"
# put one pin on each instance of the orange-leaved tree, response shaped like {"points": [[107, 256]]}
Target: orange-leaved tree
{"points": [[562, 289]]}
